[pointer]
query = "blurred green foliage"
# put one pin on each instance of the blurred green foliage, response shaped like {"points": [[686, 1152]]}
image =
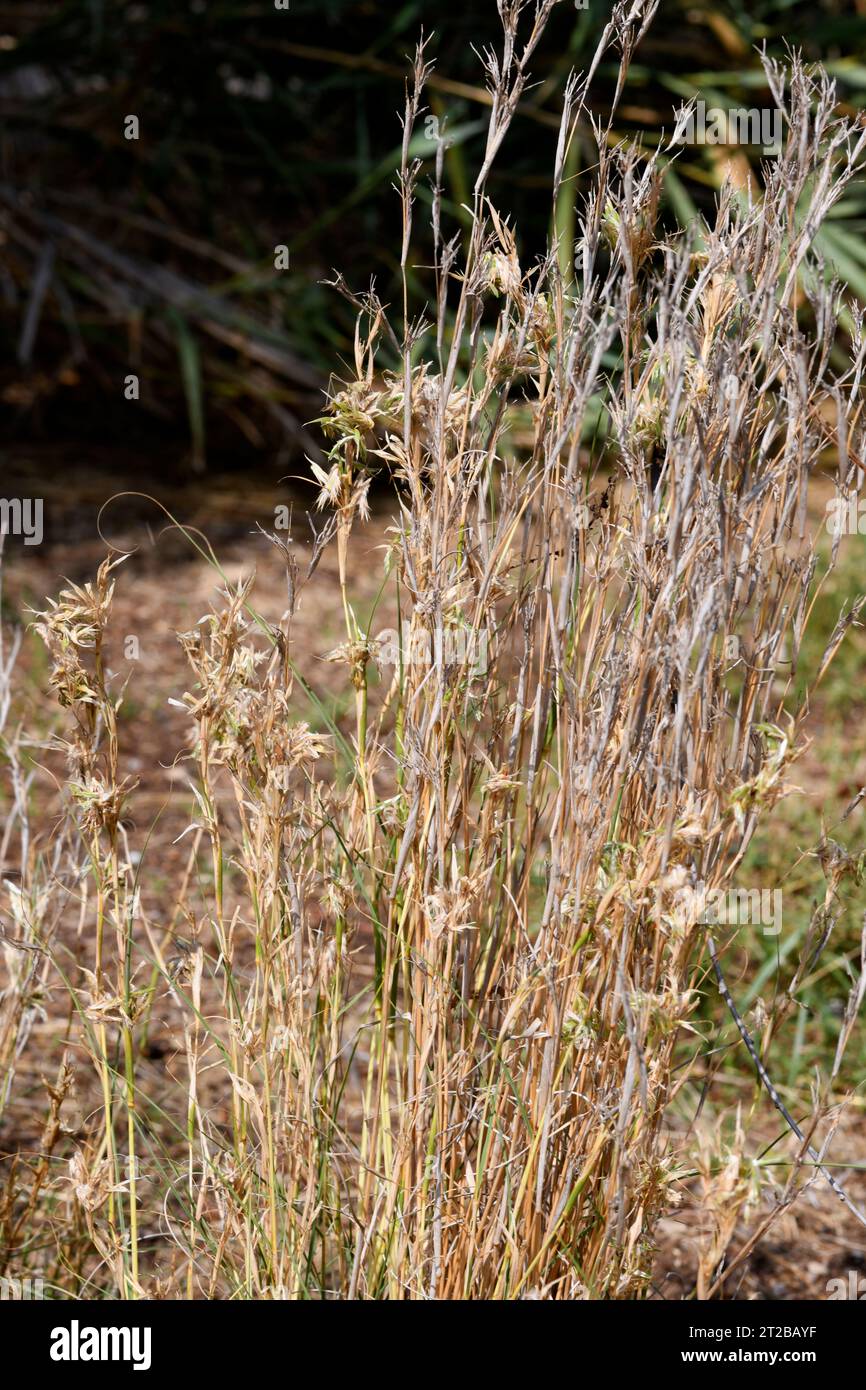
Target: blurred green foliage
{"points": [[262, 126]]}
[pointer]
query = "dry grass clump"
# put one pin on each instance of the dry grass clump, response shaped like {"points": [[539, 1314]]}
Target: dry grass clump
{"points": [[434, 972]]}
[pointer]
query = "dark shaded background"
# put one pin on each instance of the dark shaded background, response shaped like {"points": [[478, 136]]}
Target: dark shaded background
{"points": [[261, 127]]}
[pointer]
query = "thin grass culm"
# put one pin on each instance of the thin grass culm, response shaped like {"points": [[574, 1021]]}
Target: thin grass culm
{"points": [[435, 961]]}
